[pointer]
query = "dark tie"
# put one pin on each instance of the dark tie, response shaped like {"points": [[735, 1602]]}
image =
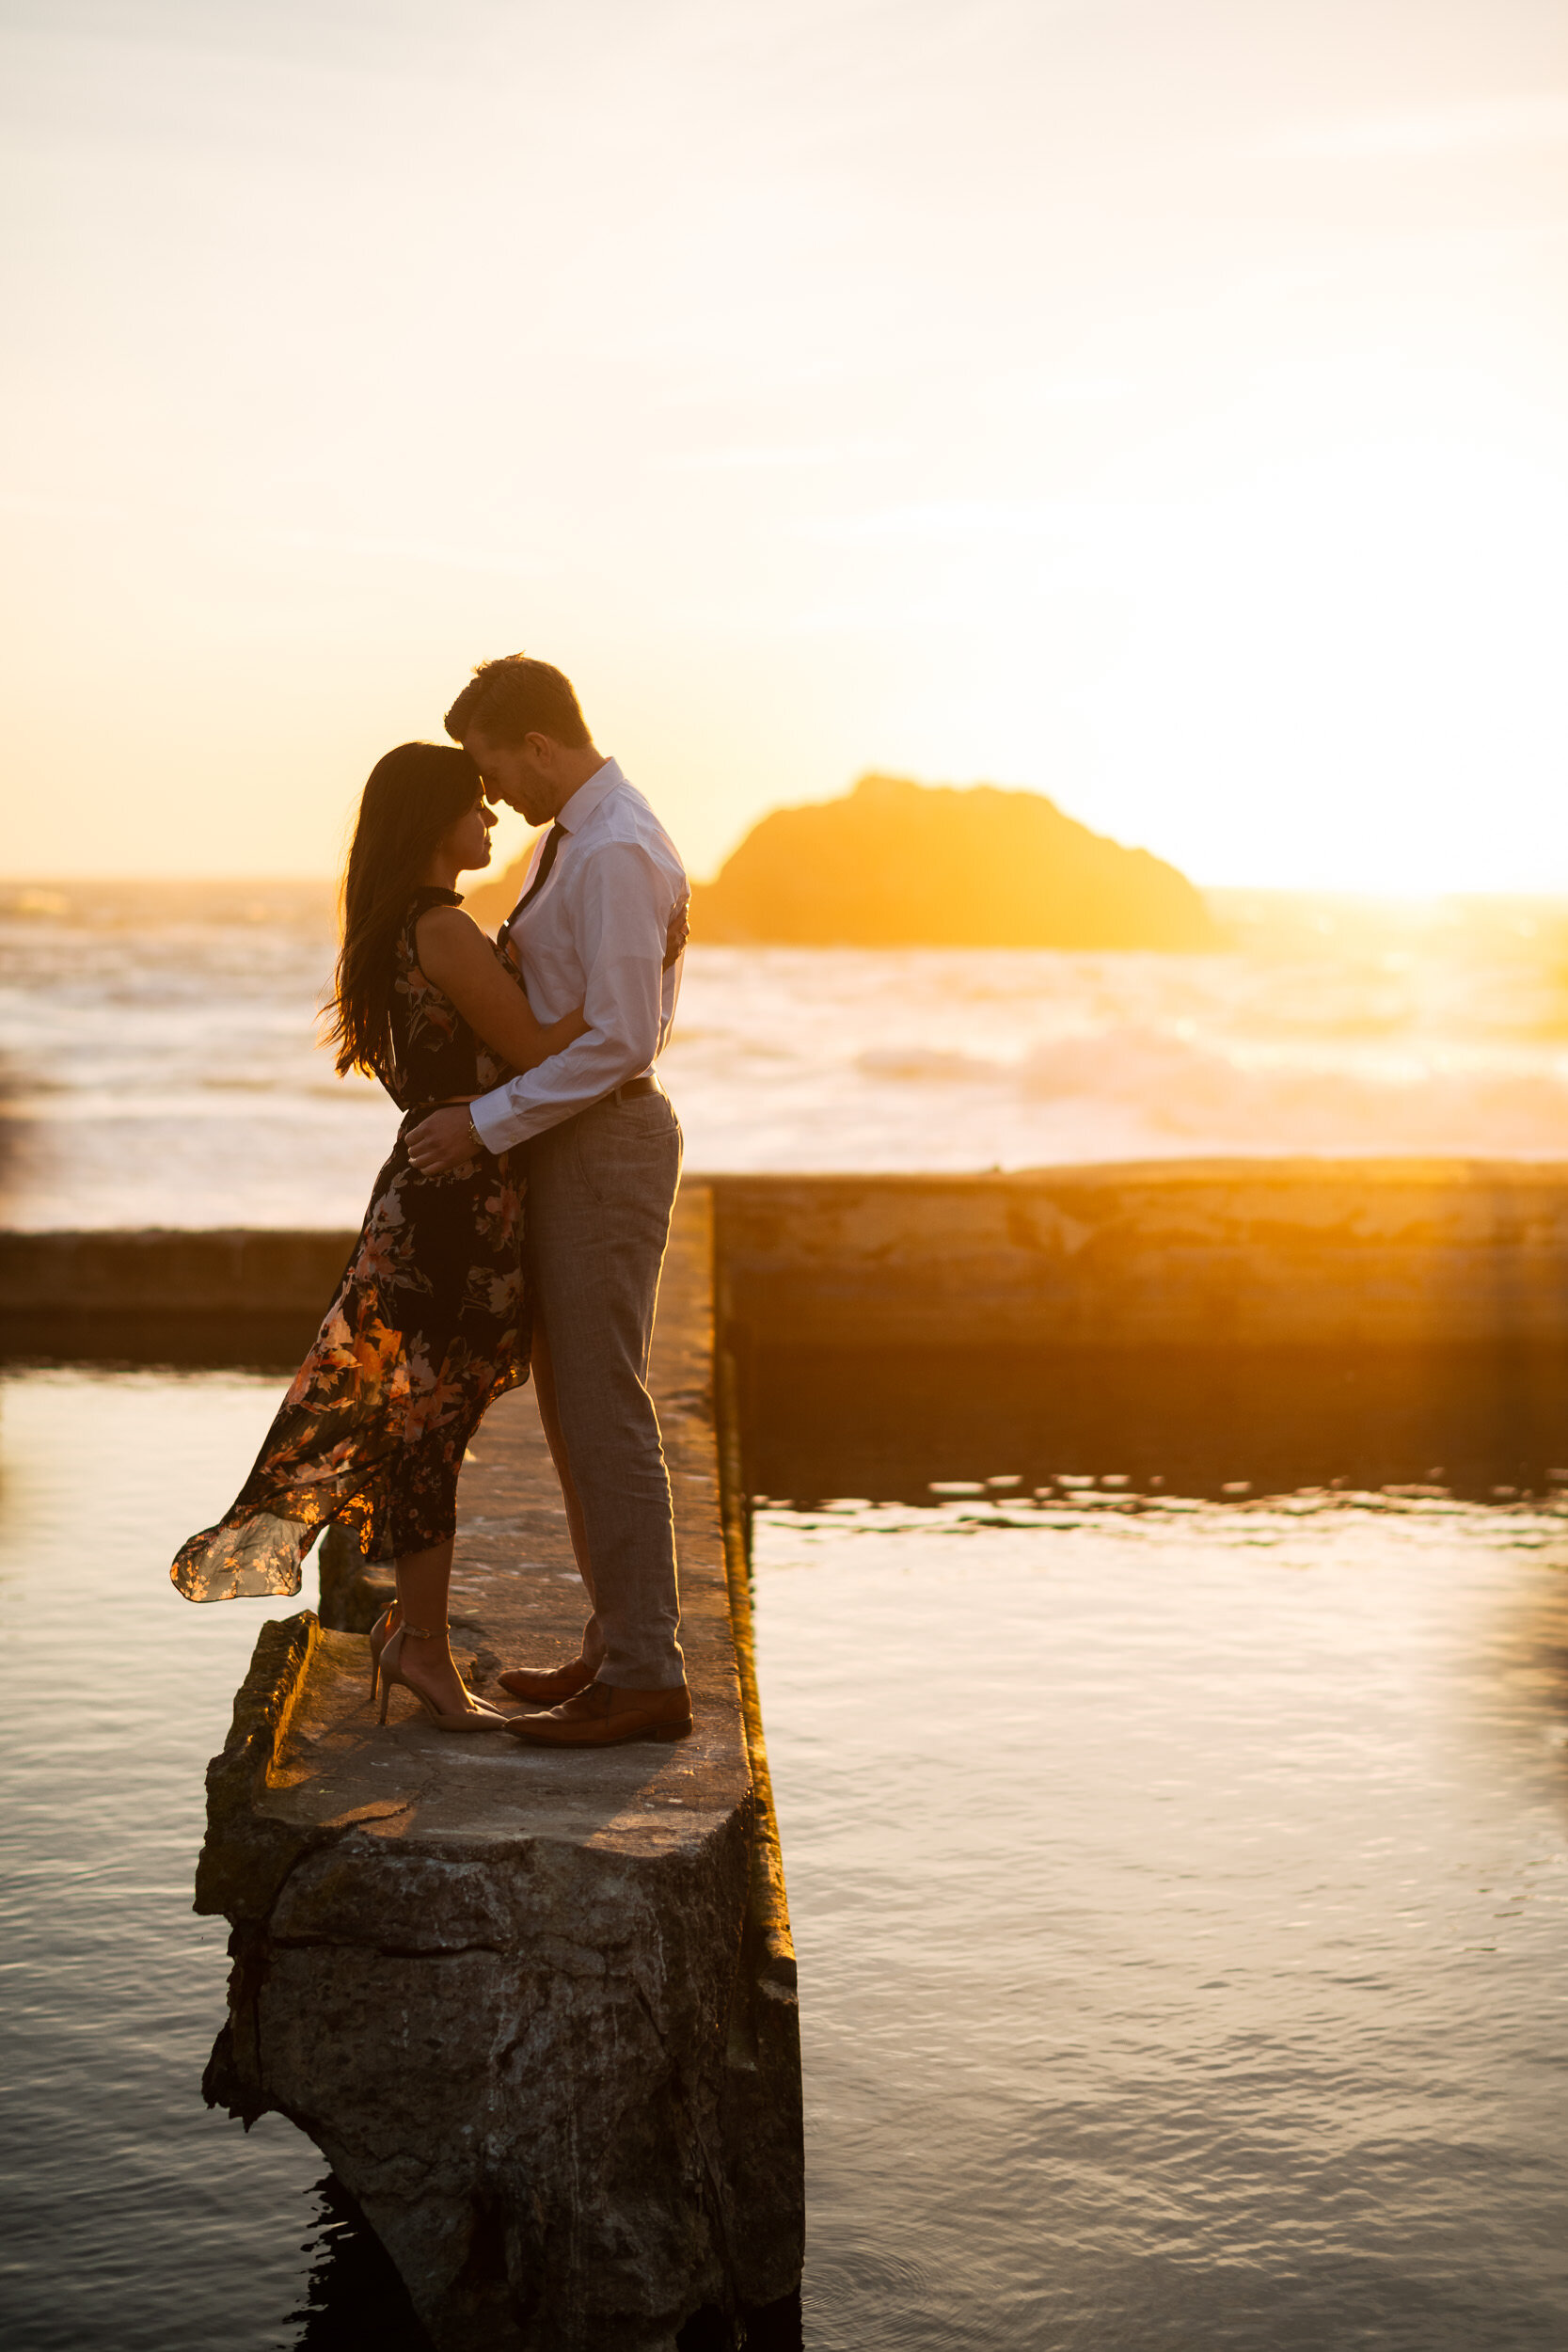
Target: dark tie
{"points": [[552, 842]]}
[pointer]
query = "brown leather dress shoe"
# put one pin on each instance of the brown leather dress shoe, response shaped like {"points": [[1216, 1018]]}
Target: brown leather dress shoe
{"points": [[604, 1714], [552, 1684]]}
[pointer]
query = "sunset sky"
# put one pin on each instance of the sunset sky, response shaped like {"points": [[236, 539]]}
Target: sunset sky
{"points": [[1160, 403]]}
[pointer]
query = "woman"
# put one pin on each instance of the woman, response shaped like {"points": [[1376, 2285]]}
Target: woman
{"points": [[431, 1322]]}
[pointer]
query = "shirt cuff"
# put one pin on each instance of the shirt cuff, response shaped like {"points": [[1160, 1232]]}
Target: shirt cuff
{"points": [[490, 1118]]}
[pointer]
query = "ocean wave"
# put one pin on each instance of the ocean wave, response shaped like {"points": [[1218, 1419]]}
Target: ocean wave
{"points": [[924, 1064], [1239, 1099]]}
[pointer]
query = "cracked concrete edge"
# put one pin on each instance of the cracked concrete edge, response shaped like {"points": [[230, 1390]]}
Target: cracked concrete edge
{"points": [[768, 1901], [247, 1853], [765, 2105]]}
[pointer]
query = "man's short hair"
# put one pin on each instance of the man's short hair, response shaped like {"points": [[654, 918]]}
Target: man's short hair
{"points": [[516, 696]]}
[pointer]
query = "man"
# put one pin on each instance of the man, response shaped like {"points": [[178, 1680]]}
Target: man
{"points": [[604, 1154]]}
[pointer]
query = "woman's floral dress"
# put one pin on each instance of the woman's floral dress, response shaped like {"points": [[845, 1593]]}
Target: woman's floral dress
{"points": [[431, 1323]]}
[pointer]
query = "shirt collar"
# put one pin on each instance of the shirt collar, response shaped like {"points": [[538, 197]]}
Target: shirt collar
{"points": [[586, 799]]}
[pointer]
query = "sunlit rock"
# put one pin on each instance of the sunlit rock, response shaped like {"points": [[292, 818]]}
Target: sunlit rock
{"points": [[897, 864]]}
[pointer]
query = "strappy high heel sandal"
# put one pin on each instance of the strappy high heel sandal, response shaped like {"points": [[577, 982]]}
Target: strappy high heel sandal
{"points": [[380, 1633], [476, 1716]]}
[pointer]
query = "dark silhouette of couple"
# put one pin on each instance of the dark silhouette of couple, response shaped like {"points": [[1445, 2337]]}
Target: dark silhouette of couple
{"points": [[518, 1226]]}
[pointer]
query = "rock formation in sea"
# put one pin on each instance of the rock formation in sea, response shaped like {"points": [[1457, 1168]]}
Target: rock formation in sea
{"points": [[897, 864]]}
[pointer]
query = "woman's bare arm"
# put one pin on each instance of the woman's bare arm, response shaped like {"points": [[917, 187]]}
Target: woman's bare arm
{"points": [[456, 954]]}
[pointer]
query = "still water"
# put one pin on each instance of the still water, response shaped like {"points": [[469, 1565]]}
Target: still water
{"points": [[1180, 1896], [134, 2220], [1179, 1888]]}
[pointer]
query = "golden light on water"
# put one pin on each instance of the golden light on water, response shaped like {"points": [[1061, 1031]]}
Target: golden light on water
{"points": [[1162, 404]]}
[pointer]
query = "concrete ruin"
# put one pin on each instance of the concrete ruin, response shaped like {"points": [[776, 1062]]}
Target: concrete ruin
{"points": [[537, 2008]]}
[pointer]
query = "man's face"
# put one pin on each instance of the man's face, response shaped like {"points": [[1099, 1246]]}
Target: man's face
{"points": [[517, 773]]}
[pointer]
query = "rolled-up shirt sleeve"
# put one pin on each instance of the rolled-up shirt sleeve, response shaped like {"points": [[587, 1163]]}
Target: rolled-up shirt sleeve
{"points": [[620, 927]]}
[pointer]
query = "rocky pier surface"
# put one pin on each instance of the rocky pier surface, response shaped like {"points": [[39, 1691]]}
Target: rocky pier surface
{"points": [[537, 2008]]}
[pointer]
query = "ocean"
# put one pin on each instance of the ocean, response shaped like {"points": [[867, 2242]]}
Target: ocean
{"points": [[158, 1063]]}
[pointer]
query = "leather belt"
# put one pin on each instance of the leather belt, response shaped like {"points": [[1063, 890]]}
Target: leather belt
{"points": [[631, 1087]]}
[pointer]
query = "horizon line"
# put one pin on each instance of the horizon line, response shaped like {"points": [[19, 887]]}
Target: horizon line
{"points": [[1433, 895]]}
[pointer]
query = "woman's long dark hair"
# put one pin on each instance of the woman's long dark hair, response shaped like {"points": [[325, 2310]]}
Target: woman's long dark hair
{"points": [[411, 798]]}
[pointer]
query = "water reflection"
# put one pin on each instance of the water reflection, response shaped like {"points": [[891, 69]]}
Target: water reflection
{"points": [[1483, 1422], [135, 2221], [353, 2295], [1179, 1894]]}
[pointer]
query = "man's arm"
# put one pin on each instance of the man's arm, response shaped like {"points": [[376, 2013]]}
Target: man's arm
{"points": [[623, 918], [623, 928]]}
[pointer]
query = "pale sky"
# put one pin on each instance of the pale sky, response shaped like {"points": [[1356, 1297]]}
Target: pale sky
{"points": [[1160, 403]]}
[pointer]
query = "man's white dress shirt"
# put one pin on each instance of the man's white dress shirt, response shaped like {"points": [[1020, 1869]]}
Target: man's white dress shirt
{"points": [[595, 936]]}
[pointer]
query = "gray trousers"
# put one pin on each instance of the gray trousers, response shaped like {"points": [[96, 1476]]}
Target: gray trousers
{"points": [[600, 1190]]}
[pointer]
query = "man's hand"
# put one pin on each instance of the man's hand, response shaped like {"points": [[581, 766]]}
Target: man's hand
{"points": [[442, 1141]]}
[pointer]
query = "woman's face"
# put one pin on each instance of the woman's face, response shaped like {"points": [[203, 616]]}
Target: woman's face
{"points": [[468, 842]]}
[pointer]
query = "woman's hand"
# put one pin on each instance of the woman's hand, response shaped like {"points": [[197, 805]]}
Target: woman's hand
{"points": [[444, 1141], [679, 933]]}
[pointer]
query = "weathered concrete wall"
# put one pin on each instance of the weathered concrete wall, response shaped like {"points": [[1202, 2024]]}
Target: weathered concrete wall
{"points": [[537, 2008], [211, 1297], [1239, 1252], [1255, 1253], [241, 1271]]}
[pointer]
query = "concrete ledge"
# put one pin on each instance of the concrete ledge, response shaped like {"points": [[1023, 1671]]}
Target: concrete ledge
{"points": [[1237, 1253], [537, 2008], [1247, 1253], [209, 1297], [168, 1271]]}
